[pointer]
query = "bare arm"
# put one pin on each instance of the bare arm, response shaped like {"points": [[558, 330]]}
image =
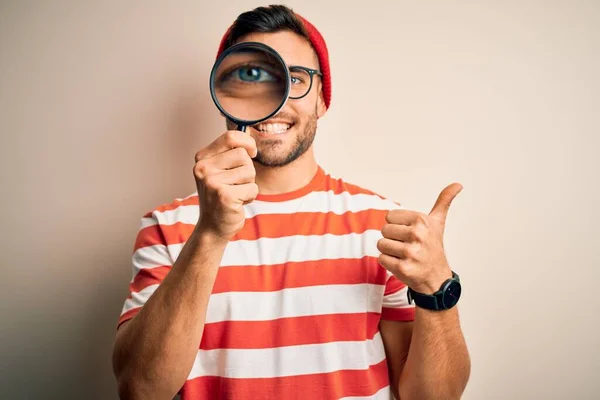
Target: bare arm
{"points": [[155, 351], [428, 358], [438, 364]]}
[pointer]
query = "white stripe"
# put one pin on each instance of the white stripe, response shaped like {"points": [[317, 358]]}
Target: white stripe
{"points": [[321, 202], [382, 394], [398, 299], [151, 257], [271, 251], [294, 302], [147, 221], [138, 299], [313, 202], [184, 214], [288, 360]]}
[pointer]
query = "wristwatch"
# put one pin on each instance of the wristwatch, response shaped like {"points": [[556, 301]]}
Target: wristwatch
{"points": [[443, 299]]}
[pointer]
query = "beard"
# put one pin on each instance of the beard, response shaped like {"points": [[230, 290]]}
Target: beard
{"points": [[269, 152]]}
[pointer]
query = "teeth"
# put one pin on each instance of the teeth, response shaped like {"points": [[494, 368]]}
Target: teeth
{"points": [[273, 128]]}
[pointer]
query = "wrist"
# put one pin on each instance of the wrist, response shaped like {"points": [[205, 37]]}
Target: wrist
{"points": [[432, 284], [208, 238]]}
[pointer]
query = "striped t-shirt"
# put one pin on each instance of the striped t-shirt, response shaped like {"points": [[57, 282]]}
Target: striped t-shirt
{"points": [[297, 300]]}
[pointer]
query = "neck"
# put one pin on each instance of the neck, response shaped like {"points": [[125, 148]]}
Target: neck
{"points": [[278, 180]]}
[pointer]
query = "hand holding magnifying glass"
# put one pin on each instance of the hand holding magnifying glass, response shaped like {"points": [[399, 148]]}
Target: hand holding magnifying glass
{"points": [[249, 84]]}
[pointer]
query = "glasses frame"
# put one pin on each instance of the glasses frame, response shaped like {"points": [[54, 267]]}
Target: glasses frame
{"points": [[309, 71]]}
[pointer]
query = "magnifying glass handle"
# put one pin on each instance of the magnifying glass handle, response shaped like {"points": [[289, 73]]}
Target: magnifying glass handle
{"points": [[242, 128]]}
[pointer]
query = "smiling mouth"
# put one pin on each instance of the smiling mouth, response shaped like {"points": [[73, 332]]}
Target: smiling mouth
{"points": [[274, 128]]}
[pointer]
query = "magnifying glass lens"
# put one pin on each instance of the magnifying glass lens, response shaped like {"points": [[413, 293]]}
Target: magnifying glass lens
{"points": [[250, 83]]}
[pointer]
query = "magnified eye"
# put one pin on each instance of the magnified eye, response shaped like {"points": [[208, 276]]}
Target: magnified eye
{"points": [[253, 74]]}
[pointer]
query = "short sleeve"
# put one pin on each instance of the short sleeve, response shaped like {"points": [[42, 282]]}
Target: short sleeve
{"points": [[151, 263], [395, 306]]}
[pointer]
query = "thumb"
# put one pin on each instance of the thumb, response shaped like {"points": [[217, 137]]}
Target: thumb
{"points": [[442, 205]]}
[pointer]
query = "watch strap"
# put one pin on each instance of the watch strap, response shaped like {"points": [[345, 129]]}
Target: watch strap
{"points": [[429, 302]]}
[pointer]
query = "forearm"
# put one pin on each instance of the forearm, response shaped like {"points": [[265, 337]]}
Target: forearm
{"points": [[438, 364], [156, 349]]}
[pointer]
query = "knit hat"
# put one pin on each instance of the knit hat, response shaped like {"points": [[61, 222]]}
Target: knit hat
{"points": [[318, 43]]}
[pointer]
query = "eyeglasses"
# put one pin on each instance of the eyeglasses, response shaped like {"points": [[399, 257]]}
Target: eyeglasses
{"points": [[302, 81], [262, 72]]}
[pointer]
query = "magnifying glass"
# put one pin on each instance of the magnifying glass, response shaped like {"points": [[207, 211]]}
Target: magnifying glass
{"points": [[249, 83]]}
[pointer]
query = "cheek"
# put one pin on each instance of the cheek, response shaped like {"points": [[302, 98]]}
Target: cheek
{"points": [[305, 108]]}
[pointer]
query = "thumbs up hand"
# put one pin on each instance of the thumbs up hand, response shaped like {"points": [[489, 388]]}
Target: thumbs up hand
{"points": [[412, 245]]}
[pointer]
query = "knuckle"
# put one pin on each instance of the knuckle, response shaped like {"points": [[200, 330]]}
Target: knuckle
{"points": [[421, 220], [229, 138], [415, 251], [201, 169], [198, 156], [410, 252], [417, 234]]}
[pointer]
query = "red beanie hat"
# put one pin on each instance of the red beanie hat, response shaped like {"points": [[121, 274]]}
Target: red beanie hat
{"points": [[318, 43]]}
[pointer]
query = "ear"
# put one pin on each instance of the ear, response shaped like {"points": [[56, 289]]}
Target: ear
{"points": [[321, 108]]}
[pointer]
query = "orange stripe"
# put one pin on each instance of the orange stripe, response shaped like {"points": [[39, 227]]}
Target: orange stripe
{"points": [[272, 226], [148, 276], [290, 331], [393, 285], [299, 274], [163, 234], [269, 278], [398, 314], [314, 386], [280, 225]]}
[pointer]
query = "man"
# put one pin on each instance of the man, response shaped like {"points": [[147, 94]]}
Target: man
{"points": [[277, 280]]}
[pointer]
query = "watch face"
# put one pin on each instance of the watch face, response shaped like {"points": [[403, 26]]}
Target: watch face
{"points": [[451, 294]]}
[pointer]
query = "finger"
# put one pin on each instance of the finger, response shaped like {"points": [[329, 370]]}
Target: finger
{"points": [[442, 205], [396, 232], [391, 263], [402, 217], [227, 141], [393, 248], [237, 176], [233, 158], [245, 193]]}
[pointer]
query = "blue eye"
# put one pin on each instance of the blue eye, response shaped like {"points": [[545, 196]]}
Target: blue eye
{"points": [[254, 74]]}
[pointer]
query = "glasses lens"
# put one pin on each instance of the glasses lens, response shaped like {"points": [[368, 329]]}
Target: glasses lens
{"points": [[301, 81]]}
